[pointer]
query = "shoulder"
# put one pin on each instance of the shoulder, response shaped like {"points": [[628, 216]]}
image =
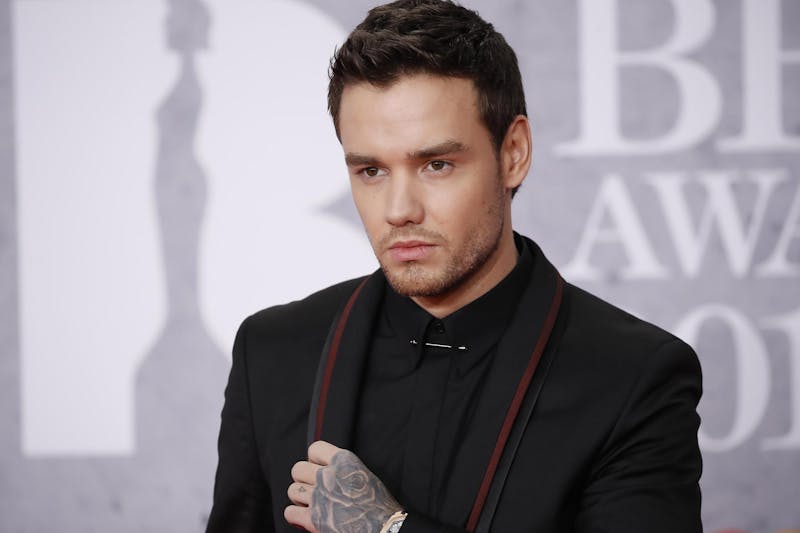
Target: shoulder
{"points": [[595, 325], [277, 350], [627, 379], [618, 356], [308, 318]]}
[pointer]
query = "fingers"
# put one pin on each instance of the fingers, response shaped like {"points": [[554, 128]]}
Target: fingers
{"points": [[299, 516], [321, 452], [299, 493], [304, 474]]}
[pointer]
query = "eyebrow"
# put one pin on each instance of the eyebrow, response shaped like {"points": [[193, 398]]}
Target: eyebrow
{"points": [[446, 147], [353, 160]]}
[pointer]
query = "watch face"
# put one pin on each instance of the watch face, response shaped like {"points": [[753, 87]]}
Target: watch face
{"points": [[395, 527]]}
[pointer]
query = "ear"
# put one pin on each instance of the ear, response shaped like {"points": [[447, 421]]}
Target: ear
{"points": [[515, 154]]}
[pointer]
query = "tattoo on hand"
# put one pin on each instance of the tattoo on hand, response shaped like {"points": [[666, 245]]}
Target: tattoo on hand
{"points": [[301, 489], [349, 498]]}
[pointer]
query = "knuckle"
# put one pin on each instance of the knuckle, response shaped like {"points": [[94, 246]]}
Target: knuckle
{"points": [[314, 446], [346, 455]]}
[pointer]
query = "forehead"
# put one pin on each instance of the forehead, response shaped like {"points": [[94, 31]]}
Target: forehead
{"points": [[414, 110]]}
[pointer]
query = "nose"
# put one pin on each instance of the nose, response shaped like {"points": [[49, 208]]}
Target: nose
{"points": [[404, 203]]}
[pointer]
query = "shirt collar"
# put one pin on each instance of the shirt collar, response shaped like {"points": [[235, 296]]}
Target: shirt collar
{"points": [[478, 325]]}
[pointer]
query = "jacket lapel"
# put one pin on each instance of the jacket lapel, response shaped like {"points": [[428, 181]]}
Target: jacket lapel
{"points": [[521, 349], [334, 404]]}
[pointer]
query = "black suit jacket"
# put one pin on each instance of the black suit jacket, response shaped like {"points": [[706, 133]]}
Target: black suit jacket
{"points": [[604, 440]]}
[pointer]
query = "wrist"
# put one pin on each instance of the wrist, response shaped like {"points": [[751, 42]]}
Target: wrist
{"points": [[394, 522]]}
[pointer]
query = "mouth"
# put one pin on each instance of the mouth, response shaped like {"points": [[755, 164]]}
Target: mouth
{"points": [[410, 250]]}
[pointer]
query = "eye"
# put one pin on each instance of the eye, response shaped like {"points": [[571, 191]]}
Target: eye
{"points": [[372, 172], [439, 166]]}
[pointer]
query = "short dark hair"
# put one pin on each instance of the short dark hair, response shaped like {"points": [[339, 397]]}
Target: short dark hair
{"points": [[436, 37]]}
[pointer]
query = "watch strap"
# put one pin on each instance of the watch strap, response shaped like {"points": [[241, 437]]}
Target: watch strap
{"points": [[394, 522]]}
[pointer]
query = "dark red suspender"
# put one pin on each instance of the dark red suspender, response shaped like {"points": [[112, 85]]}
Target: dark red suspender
{"points": [[331, 359]]}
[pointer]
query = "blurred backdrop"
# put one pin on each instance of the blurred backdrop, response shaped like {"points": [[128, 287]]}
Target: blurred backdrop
{"points": [[167, 167]]}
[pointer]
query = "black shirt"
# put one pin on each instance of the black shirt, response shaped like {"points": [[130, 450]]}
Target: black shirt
{"points": [[417, 400]]}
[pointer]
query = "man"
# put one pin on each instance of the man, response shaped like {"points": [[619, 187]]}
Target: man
{"points": [[464, 386]]}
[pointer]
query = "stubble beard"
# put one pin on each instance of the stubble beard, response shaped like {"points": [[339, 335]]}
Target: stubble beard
{"points": [[415, 280]]}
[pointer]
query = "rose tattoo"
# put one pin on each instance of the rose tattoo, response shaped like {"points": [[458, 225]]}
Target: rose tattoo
{"points": [[349, 498]]}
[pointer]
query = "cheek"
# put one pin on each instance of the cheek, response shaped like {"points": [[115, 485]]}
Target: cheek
{"points": [[462, 208], [455, 219]]}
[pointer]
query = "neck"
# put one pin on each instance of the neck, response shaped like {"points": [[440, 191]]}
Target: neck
{"points": [[492, 272]]}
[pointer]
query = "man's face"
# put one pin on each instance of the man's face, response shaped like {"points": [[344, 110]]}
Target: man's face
{"points": [[425, 180]]}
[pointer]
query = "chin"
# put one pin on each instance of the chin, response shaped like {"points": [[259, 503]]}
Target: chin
{"points": [[414, 281]]}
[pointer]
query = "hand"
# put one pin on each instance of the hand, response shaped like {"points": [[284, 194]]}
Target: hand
{"points": [[334, 492]]}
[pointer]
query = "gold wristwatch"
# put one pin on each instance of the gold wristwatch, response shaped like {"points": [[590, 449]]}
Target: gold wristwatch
{"points": [[394, 522]]}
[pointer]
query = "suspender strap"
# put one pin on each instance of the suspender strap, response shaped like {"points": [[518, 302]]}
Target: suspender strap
{"points": [[322, 386], [511, 433]]}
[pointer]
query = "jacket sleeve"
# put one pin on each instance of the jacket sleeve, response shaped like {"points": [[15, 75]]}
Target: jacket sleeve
{"points": [[241, 495], [647, 475]]}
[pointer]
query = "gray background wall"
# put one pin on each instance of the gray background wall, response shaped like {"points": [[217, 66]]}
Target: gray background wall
{"points": [[163, 164]]}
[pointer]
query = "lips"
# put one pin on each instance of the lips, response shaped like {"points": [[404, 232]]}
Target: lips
{"points": [[410, 250]]}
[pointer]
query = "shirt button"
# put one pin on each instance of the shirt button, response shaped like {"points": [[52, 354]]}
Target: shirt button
{"points": [[438, 327]]}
